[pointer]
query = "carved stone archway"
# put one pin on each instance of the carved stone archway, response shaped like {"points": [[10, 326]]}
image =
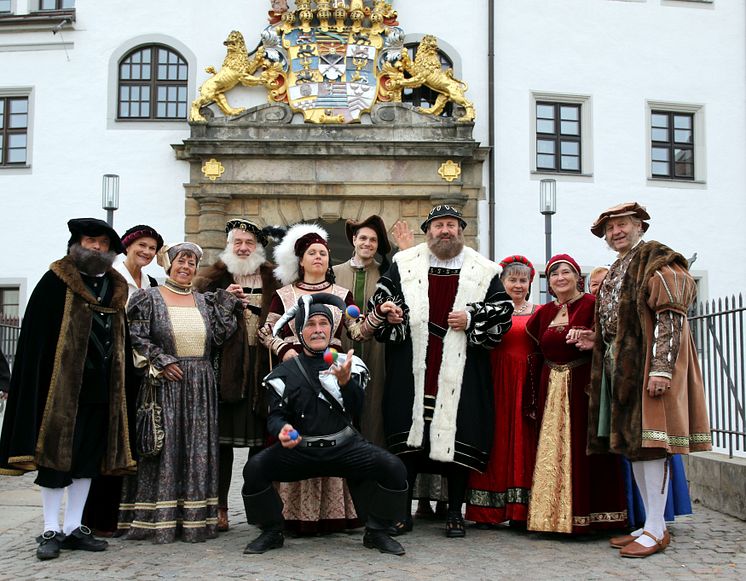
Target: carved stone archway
{"points": [[275, 172]]}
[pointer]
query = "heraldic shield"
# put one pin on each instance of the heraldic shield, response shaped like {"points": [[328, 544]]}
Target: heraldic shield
{"points": [[333, 76], [332, 62]]}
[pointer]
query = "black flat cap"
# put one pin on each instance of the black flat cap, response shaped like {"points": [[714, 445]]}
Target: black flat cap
{"points": [[93, 227]]}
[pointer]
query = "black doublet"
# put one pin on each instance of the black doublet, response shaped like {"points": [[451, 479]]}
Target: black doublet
{"points": [[376, 478], [95, 385], [301, 405]]}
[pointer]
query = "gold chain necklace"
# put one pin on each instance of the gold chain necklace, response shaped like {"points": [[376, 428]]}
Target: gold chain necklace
{"points": [[567, 302]]}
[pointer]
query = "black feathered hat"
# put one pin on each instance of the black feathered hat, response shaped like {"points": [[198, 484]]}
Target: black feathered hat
{"points": [[246, 226], [306, 307]]}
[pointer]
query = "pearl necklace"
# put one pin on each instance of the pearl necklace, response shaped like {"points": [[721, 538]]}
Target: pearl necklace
{"points": [[520, 310], [175, 287]]}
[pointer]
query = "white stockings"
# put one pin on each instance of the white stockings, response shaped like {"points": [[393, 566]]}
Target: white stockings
{"points": [[77, 493], [651, 478], [51, 499]]}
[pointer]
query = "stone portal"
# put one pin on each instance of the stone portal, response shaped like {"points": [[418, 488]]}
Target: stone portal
{"points": [[263, 166]]}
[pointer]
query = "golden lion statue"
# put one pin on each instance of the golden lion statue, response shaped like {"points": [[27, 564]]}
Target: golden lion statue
{"points": [[237, 68], [426, 70]]}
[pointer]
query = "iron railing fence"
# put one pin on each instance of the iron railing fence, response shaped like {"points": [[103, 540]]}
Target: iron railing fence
{"points": [[8, 341], [718, 330]]}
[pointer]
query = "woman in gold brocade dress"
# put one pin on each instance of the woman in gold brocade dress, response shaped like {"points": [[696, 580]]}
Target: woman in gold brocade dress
{"points": [[571, 492]]}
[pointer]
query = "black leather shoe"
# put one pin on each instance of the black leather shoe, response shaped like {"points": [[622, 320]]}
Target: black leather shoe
{"points": [[381, 541], [49, 545], [267, 541], [455, 525], [401, 527], [82, 539]]}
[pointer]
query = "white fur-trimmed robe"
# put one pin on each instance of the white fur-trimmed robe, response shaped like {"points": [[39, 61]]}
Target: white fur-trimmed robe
{"points": [[478, 279]]}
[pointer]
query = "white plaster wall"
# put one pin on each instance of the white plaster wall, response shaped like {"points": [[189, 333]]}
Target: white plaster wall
{"points": [[75, 141], [622, 54]]}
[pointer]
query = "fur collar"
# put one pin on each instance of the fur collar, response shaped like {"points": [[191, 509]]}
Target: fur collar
{"points": [[653, 256], [68, 273], [475, 277], [212, 275], [630, 346], [211, 278]]}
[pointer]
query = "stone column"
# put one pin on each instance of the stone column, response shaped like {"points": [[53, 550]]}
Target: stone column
{"points": [[211, 224]]}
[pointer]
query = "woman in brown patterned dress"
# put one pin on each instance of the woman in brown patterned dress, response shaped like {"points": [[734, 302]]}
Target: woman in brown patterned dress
{"points": [[318, 505], [173, 330]]}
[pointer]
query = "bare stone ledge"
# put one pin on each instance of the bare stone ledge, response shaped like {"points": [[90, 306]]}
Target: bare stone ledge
{"points": [[718, 482]]}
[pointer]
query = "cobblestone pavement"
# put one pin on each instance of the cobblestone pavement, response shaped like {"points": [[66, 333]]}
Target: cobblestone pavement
{"points": [[707, 544]]}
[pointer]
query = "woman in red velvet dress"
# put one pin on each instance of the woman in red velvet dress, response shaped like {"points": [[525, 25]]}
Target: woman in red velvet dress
{"points": [[571, 492], [501, 492]]}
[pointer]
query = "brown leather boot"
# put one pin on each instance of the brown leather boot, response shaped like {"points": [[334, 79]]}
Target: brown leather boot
{"points": [[223, 519]]}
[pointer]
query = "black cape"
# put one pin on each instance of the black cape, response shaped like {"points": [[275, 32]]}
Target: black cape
{"points": [[47, 375]]}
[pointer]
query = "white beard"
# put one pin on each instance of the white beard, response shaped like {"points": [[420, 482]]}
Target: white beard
{"points": [[240, 266]]}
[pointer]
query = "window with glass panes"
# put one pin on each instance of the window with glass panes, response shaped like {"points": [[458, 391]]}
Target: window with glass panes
{"points": [[672, 145], [153, 84], [13, 131], [4, 6], [56, 4], [424, 96], [558, 137], [9, 303]]}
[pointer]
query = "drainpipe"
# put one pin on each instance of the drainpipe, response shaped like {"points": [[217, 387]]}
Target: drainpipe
{"points": [[491, 122]]}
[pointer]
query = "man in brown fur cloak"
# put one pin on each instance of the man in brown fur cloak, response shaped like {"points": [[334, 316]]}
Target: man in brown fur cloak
{"points": [[647, 397], [67, 410], [242, 362]]}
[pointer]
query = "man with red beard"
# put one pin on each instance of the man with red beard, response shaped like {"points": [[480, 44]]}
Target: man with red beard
{"points": [[242, 362], [451, 308]]}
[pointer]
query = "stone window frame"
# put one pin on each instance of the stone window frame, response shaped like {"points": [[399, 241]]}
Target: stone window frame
{"points": [[21, 285], [27, 93], [153, 84], [118, 54], [699, 147], [59, 5], [11, 319], [586, 133], [27, 16]]}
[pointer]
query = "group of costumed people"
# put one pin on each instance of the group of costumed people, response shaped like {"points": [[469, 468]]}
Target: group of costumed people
{"points": [[562, 402], [523, 412]]}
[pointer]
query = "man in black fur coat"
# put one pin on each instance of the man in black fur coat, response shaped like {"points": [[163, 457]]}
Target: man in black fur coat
{"points": [[242, 362], [67, 412]]}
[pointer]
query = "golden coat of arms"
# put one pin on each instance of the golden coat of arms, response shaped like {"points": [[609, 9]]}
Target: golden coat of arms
{"points": [[332, 60]]}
